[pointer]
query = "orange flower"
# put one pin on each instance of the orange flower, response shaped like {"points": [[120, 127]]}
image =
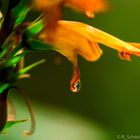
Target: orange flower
{"points": [[89, 7], [72, 38], [137, 45], [52, 8]]}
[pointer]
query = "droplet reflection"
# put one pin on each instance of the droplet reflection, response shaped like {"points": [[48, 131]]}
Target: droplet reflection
{"points": [[75, 84]]}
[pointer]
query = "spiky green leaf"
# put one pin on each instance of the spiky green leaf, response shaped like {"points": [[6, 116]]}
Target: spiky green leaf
{"points": [[20, 11], [11, 61], [37, 45], [12, 123], [26, 69], [34, 28], [4, 86]]}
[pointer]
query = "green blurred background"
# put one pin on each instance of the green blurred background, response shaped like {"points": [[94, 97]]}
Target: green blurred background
{"points": [[107, 107]]}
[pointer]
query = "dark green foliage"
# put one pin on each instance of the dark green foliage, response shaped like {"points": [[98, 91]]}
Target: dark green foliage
{"points": [[17, 37], [11, 61], [3, 109], [37, 45], [12, 123], [34, 28], [20, 11]]}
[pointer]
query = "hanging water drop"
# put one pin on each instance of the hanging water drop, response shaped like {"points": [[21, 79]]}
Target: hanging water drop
{"points": [[75, 84], [75, 87]]}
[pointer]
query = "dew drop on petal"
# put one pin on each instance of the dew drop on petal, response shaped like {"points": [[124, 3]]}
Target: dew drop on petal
{"points": [[75, 84]]}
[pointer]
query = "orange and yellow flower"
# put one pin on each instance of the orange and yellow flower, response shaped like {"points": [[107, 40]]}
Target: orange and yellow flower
{"points": [[89, 7], [72, 38], [52, 8]]}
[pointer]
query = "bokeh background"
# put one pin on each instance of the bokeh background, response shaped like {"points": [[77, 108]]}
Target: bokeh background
{"points": [[107, 107]]}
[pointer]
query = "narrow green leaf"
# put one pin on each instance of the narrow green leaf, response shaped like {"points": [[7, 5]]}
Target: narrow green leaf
{"points": [[26, 69], [20, 11], [6, 46], [16, 49], [12, 123], [32, 45], [34, 28], [11, 61], [4, 87], [37, 45], [1, 21]]}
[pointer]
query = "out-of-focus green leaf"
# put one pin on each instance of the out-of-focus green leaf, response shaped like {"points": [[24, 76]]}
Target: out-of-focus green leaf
{"points": [[37, 45], [6, 46], [26, 69], [12, 123], [1, 15], [20, 11], [8, 22], [34, 28], [32, 45], [16, 49], [1, 20], [4, 87], [11, 61]]}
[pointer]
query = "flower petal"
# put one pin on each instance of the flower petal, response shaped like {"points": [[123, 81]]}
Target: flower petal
{"points": [[137, 45], [70, 42], [125, 56], [89, 7], [71, 38], [74, 38], [52, 9]]}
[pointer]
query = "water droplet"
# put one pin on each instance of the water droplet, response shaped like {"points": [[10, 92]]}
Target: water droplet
{"points": [[76, 87], [75, 84]]}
